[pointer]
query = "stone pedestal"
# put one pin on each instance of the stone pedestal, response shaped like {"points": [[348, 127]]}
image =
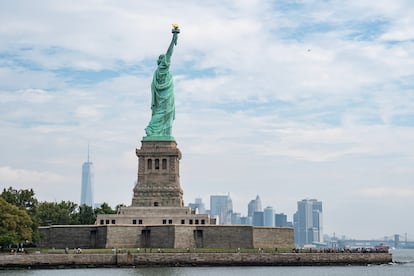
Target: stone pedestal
{"points": [[158, 175]]}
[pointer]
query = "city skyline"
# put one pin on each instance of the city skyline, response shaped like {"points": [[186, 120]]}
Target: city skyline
{"points": [[289, 100], [221, 206]]}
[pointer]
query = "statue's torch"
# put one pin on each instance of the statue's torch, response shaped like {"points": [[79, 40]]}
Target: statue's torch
{"points": [[175, 32], [175, 29]]}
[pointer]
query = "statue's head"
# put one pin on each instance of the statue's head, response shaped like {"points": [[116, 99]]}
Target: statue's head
{"points": [[160, 58]]}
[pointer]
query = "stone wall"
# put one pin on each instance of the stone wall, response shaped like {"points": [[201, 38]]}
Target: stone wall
{"points": [[272, 237], [275, 259], [184, 237], [227, 236], [119, 236], [158, 181], [191, 259], [153, 216], [161, 236], [166, 236], [72, 236]]}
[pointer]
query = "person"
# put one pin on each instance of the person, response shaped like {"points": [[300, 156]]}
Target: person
{"points": [[162, 95]]}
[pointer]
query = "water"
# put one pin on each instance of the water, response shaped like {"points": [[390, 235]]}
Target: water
{"points": [[404, 267]]}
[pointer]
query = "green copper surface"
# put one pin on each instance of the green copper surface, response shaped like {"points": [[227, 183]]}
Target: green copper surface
{"points": [[158, 138], [162, 98]]}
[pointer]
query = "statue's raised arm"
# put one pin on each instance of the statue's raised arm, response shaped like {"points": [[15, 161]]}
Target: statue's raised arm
{"points": [[174, 39], [162, 96]]}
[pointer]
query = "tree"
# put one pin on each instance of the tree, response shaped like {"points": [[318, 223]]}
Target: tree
{"points": [[52, 213], [24, 199], [104, 209], [86, 215], [15, 224]]}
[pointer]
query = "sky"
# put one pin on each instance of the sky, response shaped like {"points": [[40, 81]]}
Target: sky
{"points": [[287, 100]]}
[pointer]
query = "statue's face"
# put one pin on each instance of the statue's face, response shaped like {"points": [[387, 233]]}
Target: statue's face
{"points": [[160, 58]]}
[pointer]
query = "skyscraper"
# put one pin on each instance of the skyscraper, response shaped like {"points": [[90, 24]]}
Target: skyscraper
{"points": [[246, 220], [87, 183], [258, 218], [199, 205], [308, 222], [255, 205], [258, 203], [281, 220], [235, 218], [221, 206], [251, 208], [269, 216]]}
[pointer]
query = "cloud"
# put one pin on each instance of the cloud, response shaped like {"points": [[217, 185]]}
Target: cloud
{"points": [[27, 178], [88, 112], [31, 96], [283, 99], [386, 193]]}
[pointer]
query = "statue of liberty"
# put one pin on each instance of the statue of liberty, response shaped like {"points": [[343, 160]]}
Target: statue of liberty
{"points": [[162, 96]]}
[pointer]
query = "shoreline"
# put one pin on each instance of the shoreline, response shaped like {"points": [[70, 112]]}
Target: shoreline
{"points": [[97, 260]]}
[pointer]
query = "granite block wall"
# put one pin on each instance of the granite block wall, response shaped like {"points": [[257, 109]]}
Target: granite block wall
{"points": [[71, 236], [166, 236], [119, 236], [191, 259], [273, 237], [227, 236]]}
